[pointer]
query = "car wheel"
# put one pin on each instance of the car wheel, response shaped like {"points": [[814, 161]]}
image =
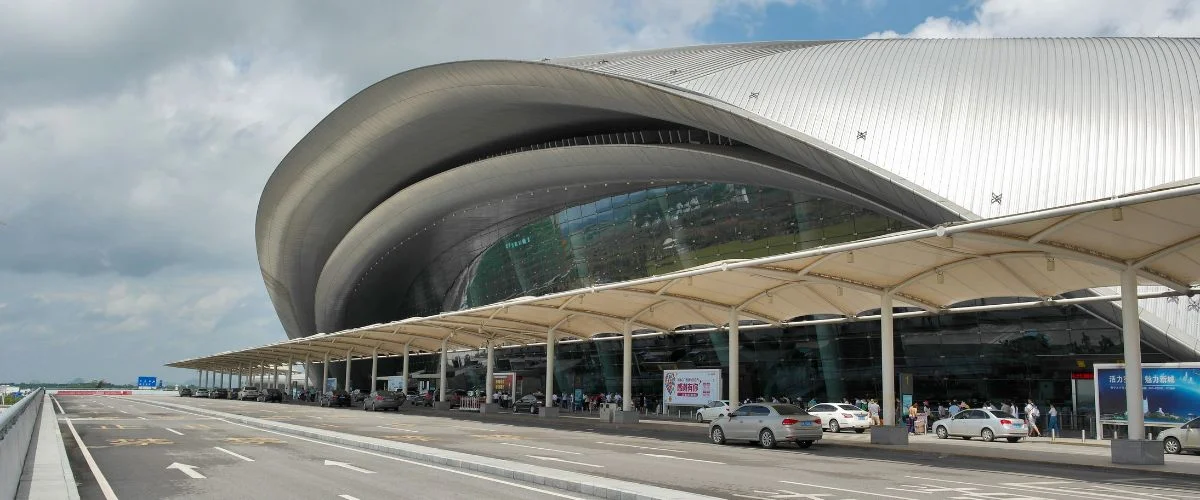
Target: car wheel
{"points": [[988, 435], [942, 433], [364, 406], [532, 410], [834, 426], [717, 434], [804, 444], [1014, 439], [766, 438], [699, 418], [1171, 445], [860, 430]]}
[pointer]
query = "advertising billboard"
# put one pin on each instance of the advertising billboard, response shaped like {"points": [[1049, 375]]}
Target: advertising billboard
{"points": [[1170, 393], [147, 382], [330, 384], [504, 383], [691, 387], [396, 383]]}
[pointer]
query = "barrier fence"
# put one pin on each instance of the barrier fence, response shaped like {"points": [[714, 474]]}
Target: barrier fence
{"points": [[16, 430]]}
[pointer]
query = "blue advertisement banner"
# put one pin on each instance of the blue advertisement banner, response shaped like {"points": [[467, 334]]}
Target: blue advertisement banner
{"points": [[1171, 395], [147, 382]]}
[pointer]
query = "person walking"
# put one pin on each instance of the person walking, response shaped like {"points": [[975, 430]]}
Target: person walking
{"points": [[873, 410], [1053, 425], [1031, 417], [912, 419]]}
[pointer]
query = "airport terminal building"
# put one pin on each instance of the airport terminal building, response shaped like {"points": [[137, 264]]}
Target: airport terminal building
{"points": [[464, 184]]}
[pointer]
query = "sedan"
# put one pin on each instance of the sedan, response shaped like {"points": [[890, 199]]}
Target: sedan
{"points": [[767, 424], [269, 396], [712, 410], [200, 393], [383, 400], [986, 424], [219, 393], [530, 403], [838, 416], [335, 398], [1182, 438], [185, 392]]}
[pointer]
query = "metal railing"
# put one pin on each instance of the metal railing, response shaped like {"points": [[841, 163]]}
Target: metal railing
{"points": [[16, 430]]}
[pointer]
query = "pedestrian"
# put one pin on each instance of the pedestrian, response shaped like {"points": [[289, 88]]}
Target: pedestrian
{"points": [[1031, 417], [1053, 426], [873, 410], [912, 419]]}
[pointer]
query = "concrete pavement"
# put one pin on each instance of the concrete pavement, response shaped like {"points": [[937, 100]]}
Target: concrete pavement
{"points": [[677, 455], [144, 451]]}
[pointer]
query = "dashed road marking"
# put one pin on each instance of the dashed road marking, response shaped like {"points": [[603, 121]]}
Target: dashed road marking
{"points": [[640, 447], [543, 449], [218, 448], [173, 430]]}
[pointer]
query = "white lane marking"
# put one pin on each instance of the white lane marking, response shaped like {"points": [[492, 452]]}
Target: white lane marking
{"points": [[848, 491], [190, 470], [543, 449], [1027, 489], [552, 459], [60, 408], [1161, 496], [681, 458], [380, 455], [347, 497], [473, 428], [234, 454], [142, 418], [640, 447], [105, 488], [397, 429], [122, 411], [345, 465], [173, 430]]}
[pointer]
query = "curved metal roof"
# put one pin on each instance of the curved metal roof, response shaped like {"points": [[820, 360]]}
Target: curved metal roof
{"points": [[923, 127], [1039, 255]]}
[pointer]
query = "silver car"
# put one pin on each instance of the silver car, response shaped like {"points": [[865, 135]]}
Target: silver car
{"points": [[767, 424], [986, 424], [1182, 438], [383, 400]]}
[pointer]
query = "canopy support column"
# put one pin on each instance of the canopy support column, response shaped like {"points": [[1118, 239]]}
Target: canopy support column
{"points": [[734, 359], [1136, 449], [442, 374], [374, 369], [489, 384], [275, 376], [288, 382], [626, 368], [889, 432], [404, 370], [349, 354], [325, 374], [550, 410]]}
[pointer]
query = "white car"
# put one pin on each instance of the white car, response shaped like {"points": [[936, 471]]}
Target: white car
{"points": [[1183, 438], [838, 416], [712, 410]]}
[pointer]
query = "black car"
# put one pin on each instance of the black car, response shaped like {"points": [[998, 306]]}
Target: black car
{"points": [[335, 398], [218, 393], [185, 392], [270, 396], [531, 403]]}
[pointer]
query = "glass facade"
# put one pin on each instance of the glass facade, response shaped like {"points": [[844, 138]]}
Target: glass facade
{"points": [[977, 357], [643, 233]]}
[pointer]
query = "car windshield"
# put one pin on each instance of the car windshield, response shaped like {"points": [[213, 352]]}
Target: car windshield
{"points": [[789, 410], [250, 388], [386, 394]]}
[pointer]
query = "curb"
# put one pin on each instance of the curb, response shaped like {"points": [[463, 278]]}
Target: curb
{"points": [[543, 476]]}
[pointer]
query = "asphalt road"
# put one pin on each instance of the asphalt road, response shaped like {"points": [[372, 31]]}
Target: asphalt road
{"points": [[146, 451], [678, 456]]}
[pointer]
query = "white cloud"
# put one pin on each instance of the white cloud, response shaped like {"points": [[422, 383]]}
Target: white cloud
{"points": [[1064, 18], [136, 137]]}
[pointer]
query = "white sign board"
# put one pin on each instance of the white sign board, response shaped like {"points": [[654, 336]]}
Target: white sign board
{"points": [[396, 383], [691, 387]]}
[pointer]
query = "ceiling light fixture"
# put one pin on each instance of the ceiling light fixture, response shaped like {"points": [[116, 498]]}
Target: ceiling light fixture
{"points": [[1050, 263], [850, 257], [941, 278], [1117, 215]]}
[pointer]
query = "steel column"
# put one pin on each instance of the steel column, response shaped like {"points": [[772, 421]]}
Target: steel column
{"points": [[550, 344], [349, 353], [1131, 329], [374, 369], [888, 353], [325, 373], [626, 368], [734, 360], [442, 373], [489, 385]]}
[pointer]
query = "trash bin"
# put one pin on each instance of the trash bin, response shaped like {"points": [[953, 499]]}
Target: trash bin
{"points": [[607, 412]]}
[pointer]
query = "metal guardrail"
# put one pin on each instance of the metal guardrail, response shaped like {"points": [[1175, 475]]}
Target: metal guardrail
{"points": [[16, 430]]}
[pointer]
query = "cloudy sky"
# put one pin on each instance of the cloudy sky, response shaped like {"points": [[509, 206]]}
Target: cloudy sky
{"points": [[135, 137]]}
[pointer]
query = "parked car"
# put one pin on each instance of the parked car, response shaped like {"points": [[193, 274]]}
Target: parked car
{"points": [[1183, 438], [357, 396], [269, 396], [383, 400], [767, 424], [219, 393], [838, 416], [248, 394], [335, 398], [986, 424], [531, 403], [200, 393], [185, 392], [712, 410], [233, 394]]}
